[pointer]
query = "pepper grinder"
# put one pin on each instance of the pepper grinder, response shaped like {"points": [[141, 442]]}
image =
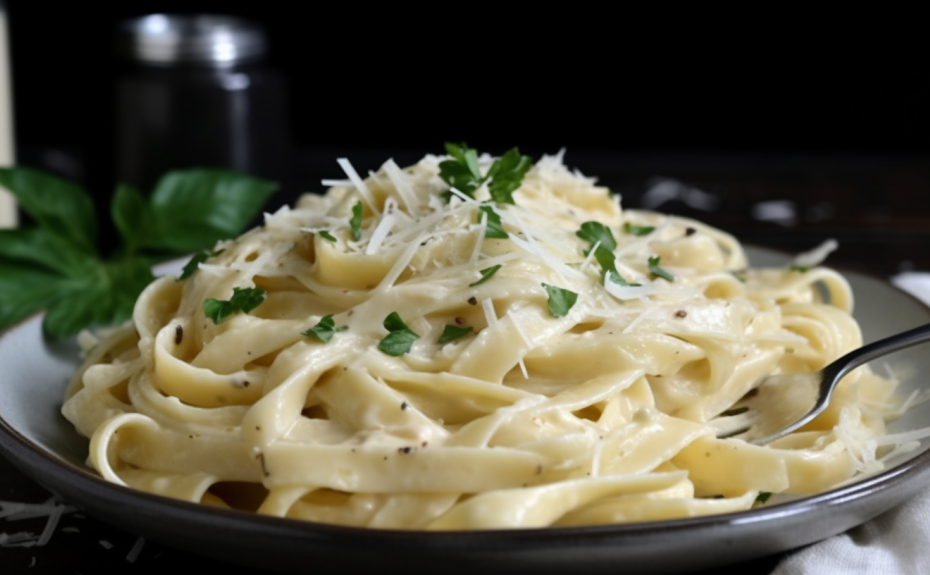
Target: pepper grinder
{"points": [[197, 91]]}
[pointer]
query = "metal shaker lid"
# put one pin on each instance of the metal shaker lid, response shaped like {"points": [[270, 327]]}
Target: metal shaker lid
{"points": [[202, 39]]}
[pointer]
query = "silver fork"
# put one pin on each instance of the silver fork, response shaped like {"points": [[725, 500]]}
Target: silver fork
{"points": [[817, 386]]}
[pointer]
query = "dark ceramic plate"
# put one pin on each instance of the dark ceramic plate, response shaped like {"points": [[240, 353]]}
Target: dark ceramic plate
{"points": [[37, 439]]}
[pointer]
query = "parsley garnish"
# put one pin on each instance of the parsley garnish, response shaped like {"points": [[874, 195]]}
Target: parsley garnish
{"points": [[326, 235], [59, 264], [560, 300], [324, 329], [738, 275], [763, 497], [800, 269], [243, 299], [635, 230], [399, 339], [504, 176], [594, 232], [194, 263], [452, 333], [486, 274], [495, 228], [356, 221], [600, 235], [655, 270]]}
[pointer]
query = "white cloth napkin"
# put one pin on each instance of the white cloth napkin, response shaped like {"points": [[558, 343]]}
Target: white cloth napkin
{"points": [[896, 542]]}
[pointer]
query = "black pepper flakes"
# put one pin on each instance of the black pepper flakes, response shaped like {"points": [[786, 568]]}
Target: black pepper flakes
{"points": [[406, 450], [459, 321], [178, 335], [404, 405], [681, 314], [689, 231], [473, 300]]}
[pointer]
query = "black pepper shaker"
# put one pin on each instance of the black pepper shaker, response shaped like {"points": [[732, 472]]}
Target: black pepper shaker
{"points": [[197, 91]]}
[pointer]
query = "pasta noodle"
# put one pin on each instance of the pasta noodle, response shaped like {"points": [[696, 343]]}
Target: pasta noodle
{"points": [[419, 358]]}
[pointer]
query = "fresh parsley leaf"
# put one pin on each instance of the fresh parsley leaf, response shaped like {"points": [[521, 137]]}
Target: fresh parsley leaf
{"points": [[495, 229], [399, 339], [452, 333], [739, 276], [655, 270], [560, 300], [635, 230], [461, 172], [763, 497], [616, 278], [506, 174], [800, 269], [326, 235], [324, 329], [595, 232], [356, 221], [56, 264], [191, 266], [243, 299], [486, 274]]}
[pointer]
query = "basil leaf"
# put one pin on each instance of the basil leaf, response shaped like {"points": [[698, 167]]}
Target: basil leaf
{"points": [[131, 217], [635, 230], [400, 338], [494, 229], [192, 209], [26, 289], [595, 232], [355, 222], [57, 205], [324, 329], [655, 270], [326, 236], [243, 299], [45, 248], [560, 300], [486, 274], [452, 333]]}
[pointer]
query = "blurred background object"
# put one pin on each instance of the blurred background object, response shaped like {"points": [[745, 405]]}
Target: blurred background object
{"points": [[196, 91]]}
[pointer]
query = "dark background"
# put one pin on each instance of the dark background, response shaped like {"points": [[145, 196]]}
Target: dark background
{"points": [[831, 116]]}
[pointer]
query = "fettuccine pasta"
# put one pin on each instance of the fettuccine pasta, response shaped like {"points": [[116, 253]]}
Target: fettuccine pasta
{"points": [[415, 357]]}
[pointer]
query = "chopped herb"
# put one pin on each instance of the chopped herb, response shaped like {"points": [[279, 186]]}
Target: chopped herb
{"points": [[452, 333], [635, 230], [399, 339], [595, 232], [495, 228], [504, 176], [560, 300], [600, 235], [655, 270], [486, 274], [356, 221], [324, 329], [243, 299], [194, 263], [58, 262], [326, 235], [801, 269], [763, 497], [738, 275]]}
